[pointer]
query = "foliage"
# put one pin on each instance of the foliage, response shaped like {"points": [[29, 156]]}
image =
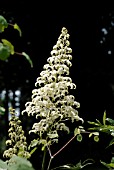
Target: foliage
{"points": [[107, 126], [16, 163], [3, 23], [6, 47], [78, 166]]}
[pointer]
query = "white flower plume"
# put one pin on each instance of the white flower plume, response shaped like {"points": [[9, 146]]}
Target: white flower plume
{"points": [[51, 102]]}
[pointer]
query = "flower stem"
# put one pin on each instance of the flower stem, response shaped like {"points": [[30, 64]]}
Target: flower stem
{"points": [[63, 146], [11, 24], [52, 156], [43, 162], [49, 163], [18, 53]]}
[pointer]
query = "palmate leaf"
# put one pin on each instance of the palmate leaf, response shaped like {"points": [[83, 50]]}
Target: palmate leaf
{"points": [[3, 24], [28, 58], [18, 28]]}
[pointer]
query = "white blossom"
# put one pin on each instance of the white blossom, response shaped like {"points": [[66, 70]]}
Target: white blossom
{"points": [[51, 101]]}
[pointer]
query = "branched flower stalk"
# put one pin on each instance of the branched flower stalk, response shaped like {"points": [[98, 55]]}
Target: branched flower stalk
{"points": [[51, 104], [17, 143]]}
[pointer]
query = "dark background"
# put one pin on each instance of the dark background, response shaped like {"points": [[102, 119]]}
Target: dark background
{"points": [[92, 70]]}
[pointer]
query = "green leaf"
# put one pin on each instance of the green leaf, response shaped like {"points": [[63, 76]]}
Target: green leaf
{"points": [[111, 121], [18, 28], [3, 24], [93, 123], [111, 142], [78, 166], [7, 43], [69, 166], [105, 164], [79, 138], [34, 143], [28, 58], [20, 164], [4, 52], [3, 165], [104, 118], [112, 160], [87, 162], [98, 122], [110, 165]]}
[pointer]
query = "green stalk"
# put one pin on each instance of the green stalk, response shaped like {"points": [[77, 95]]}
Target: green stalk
{"points": [[44, 157]]}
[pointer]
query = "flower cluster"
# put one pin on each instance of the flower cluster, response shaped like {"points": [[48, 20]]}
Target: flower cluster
{"points": [[51, 102], [17, 141]]}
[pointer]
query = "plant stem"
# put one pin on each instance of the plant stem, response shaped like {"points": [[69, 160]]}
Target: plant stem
{"points": [[18, 53], [49, 163], [11, 24], [63, 146], [43, 162], [52, 156]]}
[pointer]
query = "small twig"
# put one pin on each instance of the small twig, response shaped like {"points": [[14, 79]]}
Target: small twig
{"points": [[49, 151], [52, 156], [63, 147], [18, 53], [49, 163], [11, 24], [43, 162]]}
